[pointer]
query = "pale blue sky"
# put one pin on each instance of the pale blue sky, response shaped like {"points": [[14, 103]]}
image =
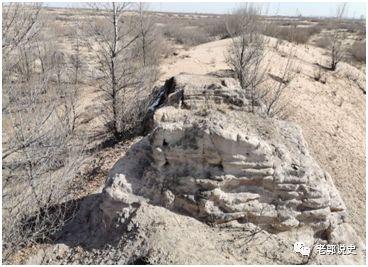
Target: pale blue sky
{"points": [[355, 9]]}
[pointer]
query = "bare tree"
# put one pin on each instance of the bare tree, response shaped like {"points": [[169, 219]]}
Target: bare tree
{"points": [[246, 57], [75, 58], [113, 37], [149, 43], [145, 27], [274, 92], [247, 51], [334, 43], [20, 24], [40, 160], [75, 66], [125, 47], [23, 66], [41, 153]]}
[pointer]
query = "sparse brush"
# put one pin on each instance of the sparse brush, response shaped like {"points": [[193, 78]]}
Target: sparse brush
{"points": [[247, 51], [246, 58], [358, 51], [299, 35], [335, 48], [186, 35], [41, 150], [322, 42]]}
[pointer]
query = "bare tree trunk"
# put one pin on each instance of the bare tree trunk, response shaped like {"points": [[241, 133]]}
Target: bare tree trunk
{"points": [[113, 75], [142, 33]]}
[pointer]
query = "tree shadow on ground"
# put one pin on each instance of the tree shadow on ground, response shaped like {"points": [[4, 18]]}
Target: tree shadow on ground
{"points": [[78, 215]]}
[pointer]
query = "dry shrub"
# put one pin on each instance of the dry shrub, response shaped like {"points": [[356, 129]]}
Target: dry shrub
{"points": [[299, 35], [186, 35], [41, 157], [245, 58], [247, 52], [332, 40], [351, 26], [322, 42], [61, 29], [358, 51], [41, 150], [216, 27], [192, 30]]}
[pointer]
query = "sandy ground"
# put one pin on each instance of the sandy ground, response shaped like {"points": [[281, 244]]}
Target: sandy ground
{"points": [[331, 114]]}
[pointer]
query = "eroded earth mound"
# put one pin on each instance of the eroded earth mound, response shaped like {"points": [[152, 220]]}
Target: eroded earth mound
{"points": [[208, 158], [213, 183]]}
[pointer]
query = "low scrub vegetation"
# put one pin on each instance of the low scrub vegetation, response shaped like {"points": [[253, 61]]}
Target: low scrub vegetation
{"points": [[358, 51], [246, 58], [44, 142], [42, 151], [299, 35], [322, 42], [195, 32], [189, 35]]}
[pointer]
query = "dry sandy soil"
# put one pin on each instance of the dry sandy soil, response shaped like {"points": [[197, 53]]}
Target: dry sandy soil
{"points": [[331, 114]]}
